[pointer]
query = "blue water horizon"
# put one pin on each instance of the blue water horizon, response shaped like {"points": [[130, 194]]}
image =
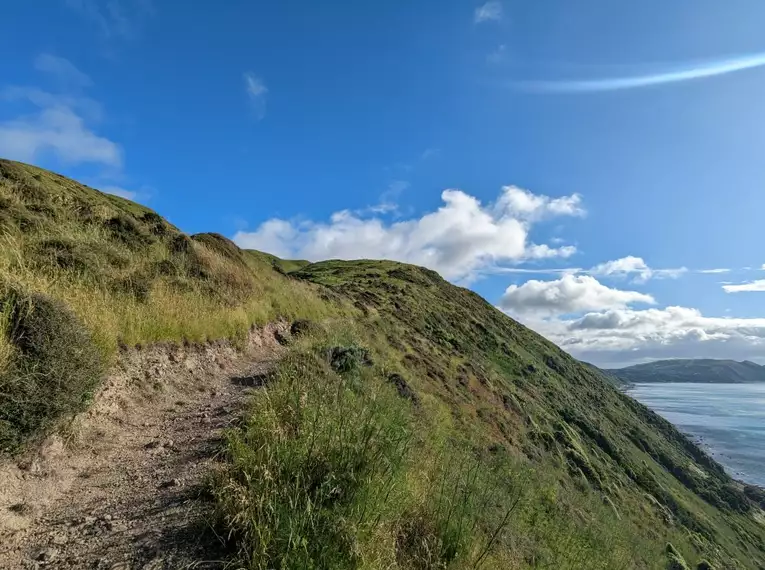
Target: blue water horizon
{"points": [[726, 420]]}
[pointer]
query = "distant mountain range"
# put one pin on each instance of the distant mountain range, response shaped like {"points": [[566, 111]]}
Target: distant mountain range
{"points": [[695, 370]]}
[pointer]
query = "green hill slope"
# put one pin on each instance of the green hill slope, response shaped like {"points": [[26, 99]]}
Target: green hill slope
{"points": [[410, 425], [694, 370]]}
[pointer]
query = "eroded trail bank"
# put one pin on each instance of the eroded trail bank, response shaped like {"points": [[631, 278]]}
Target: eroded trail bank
{"points": [[119, 488]]}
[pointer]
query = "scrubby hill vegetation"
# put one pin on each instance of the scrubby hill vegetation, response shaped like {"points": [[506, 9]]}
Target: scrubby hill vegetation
{"points": [[704, 370], [410, 425]]}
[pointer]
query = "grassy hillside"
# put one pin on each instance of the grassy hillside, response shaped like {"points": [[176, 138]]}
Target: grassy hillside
{"points": [[411, 424], [693, 370]]}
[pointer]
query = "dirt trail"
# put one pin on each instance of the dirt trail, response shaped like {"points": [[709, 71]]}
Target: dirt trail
{"points": [[121, 489]]}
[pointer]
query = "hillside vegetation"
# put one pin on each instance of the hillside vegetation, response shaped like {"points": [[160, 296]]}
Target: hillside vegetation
{"points": [[693, 370], [410, 424]]}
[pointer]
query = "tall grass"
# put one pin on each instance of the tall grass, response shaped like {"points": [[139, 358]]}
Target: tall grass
{"points": [[317, 470], [6, 346], [336, 470]]}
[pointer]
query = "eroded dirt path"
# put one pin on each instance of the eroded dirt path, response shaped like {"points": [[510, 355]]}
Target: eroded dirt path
{"points": [[124, 490]]}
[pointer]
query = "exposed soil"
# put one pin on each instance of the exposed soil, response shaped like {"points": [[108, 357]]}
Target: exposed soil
{"points": [[122, 487]]}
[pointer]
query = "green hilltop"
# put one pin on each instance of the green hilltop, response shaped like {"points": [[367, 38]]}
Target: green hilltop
{"points": [[704, 370], [409, 425]]}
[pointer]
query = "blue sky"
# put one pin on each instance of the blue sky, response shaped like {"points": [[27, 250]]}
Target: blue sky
{"points": [[581, 165]]}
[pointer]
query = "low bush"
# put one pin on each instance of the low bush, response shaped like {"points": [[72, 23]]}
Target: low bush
{"points": [[53, 368]]}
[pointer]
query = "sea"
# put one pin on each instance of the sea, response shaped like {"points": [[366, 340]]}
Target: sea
{"points": [[726, 420]]}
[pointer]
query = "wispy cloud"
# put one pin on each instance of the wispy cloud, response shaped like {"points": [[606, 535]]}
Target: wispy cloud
{"points": [[498, 55], [757, 286], [60, 126], [114, 18], [62, 69], [256, 91], [662, 75], [491, 11], [714, 271], [60, 131], [121, 192], [63, 127], [429, 153]]}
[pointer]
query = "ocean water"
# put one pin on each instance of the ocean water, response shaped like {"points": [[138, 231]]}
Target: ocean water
{"points": [[727, 420]]}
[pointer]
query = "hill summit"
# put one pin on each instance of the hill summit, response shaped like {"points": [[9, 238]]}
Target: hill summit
{"points": [[409, 423]]}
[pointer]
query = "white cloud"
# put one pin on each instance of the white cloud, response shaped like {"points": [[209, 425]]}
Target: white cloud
{"points": [[63, 69], [59, 125], [636, 266], [623, 336], [460, 239], [56, 129], [256, 91], [714, 271], [749, 287], [569, 294], [598, 324], [491, 11], [121, 192], [524, 205]]}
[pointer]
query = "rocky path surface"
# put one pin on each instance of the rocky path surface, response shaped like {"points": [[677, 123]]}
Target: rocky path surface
{"points": [[124, 489]]}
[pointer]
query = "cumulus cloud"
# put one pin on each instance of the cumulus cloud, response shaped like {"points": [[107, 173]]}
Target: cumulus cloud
{"points": [[569, 294], [256, 91], [624, 336], [524, 205], [635, 266], [460, 239], [749, 287], [491, 11], [601, 325]]}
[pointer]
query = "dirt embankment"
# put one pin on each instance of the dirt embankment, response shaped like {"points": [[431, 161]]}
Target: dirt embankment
{"points": [[119, 487]]}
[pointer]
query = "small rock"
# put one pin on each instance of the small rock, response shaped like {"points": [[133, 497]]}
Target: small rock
{"points": [[59, 539], [46, 554], [169, 444], [116, 526], [106, 517]]}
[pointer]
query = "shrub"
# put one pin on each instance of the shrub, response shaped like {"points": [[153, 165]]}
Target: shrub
{"points": [[55, 366], [675, 559], [304, 327], [124, 228], [346, 359]]}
